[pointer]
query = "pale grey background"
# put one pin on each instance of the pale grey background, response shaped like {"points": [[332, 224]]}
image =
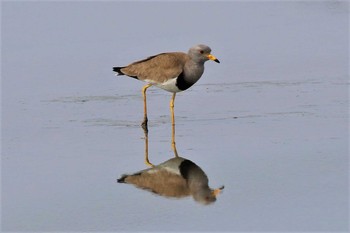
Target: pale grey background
{"points": [[270, 122]]}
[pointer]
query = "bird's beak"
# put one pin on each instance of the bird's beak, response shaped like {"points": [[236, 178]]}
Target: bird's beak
{"points": [[213, 58], [217, 191]]}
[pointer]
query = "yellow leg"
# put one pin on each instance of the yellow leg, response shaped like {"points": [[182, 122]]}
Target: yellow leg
{"points": [[172, 109], [147, 162], [145, 120], [173, 145]]}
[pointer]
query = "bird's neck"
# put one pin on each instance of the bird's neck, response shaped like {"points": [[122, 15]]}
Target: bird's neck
{"points": [[193, 71], [196, 178]]}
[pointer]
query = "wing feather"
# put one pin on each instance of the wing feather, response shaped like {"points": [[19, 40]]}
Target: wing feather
{"points": [[159, 68]]}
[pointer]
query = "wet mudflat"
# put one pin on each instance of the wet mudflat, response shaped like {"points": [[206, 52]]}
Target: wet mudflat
{"points": [[270, 122]]}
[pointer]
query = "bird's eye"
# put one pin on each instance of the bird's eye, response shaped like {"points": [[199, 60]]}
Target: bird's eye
{"points": [[201, 51]]}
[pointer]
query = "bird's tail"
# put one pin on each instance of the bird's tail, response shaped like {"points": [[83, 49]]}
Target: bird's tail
{"points": [[122, 179], [118, 70]]}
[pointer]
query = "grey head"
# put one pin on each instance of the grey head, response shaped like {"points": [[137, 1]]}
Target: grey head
{"points": [[201, 53], [205, 195], [197, 182]]}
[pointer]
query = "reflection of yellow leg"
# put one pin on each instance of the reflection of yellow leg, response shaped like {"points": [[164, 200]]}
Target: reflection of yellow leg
{"points": [[173, 146], [147, 162], [144, 122]]}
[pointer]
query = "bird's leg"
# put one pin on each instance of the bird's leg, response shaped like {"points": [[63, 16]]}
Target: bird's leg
{"points": [[145, 120], [173, 146], [172, 109], [147, 162]]}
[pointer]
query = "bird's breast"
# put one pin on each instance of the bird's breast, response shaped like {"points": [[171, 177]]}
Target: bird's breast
{"points": [[169, 85]]}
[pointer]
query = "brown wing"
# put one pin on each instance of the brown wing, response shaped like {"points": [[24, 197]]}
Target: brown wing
{"points": [[158, 68], [162, 182]]}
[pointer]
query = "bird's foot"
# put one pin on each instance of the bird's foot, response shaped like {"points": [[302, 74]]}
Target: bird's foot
{"points": [[148, 163]]}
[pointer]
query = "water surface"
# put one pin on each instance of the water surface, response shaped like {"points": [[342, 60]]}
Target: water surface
{"points": [[270, 122]]}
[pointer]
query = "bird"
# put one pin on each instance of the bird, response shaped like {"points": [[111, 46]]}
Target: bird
{"points": [[177, 178], [171, 71]]}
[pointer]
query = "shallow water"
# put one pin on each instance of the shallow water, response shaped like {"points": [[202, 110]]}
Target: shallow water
{"points": [[270, 122]]}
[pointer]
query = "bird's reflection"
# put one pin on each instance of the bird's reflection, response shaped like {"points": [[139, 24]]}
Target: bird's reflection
{"points": [[177, 177]]}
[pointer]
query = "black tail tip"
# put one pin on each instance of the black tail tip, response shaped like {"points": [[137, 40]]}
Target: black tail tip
{"points": [[118, 70], [122, 179]]}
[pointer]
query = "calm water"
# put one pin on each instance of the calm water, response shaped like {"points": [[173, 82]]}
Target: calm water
{"points": [[270, 122]]}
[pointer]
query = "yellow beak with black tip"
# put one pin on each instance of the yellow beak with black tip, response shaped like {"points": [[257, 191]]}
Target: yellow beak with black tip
{"points": [[213, 58], [217, 191]]}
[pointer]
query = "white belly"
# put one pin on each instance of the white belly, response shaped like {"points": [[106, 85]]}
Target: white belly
{"points": [[169, 85]]}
